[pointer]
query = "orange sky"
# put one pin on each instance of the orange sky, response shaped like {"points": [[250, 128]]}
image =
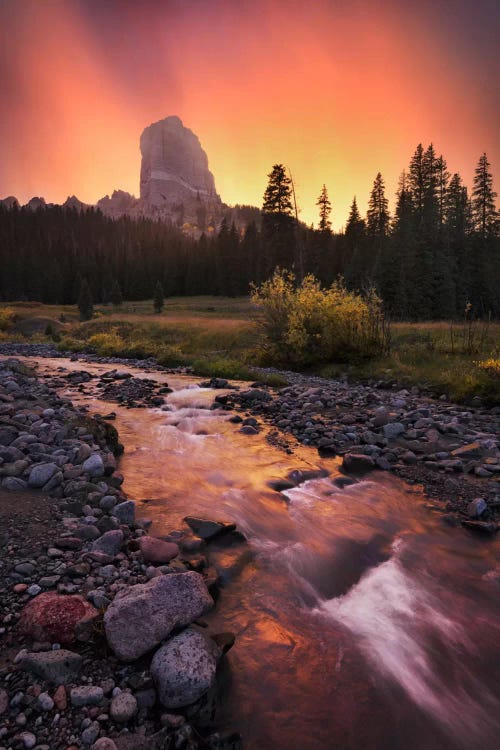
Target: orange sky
{"points": [[336, 90]]}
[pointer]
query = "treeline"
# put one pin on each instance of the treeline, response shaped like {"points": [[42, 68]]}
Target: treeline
{"points": [[439, 251]]}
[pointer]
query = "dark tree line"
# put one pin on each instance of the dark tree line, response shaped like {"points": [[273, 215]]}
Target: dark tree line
{"points": [[439, 250]]}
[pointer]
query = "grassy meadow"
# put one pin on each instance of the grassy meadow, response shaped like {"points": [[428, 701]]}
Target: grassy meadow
{"points": [[220, 336]]}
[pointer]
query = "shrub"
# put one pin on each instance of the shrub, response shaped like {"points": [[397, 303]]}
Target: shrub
{"points": [[305, 324], [7, 317], [489, 367]]}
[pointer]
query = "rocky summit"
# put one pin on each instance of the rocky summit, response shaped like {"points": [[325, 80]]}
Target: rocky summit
{"points": [[176, 184]]}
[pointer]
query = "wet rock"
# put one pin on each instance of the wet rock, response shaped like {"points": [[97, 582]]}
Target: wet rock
{"points": [[146, 613], [184, 668], [57, 667], [156, 550], [207, 529], [248, 429], [58, 619], [482, 527], [358, 463], [476, 507], [123, 707]]}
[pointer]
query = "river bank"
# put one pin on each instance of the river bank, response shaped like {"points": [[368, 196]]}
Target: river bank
{"points": [[73, 551]]}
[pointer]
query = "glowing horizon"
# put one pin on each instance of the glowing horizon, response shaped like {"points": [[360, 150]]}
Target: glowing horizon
{"points": [[337, 92]]}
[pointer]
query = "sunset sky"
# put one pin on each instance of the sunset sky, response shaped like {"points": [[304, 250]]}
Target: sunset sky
{"points": [[336, 90]]}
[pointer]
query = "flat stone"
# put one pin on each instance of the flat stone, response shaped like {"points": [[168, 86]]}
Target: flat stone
{"points": [[58, 667], [358, 463], [86, 695], [207, 529], [40, 475]]}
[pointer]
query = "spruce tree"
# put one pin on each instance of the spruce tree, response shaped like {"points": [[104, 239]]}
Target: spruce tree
{"points": [[116, 294], [277, 221], [159, 297], [85, 302], [377, 217], [483, 199], [355, 263], [325, 209]]}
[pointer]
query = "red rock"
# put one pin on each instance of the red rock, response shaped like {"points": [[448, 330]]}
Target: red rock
{"points": [[156, 550], [60, 698], [20, 588], [58, 618]]}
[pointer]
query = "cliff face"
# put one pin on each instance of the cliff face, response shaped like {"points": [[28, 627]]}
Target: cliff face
{"points": [[176, 184], [174, 166]]}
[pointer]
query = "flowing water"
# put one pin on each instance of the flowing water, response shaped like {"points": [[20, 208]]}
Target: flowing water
{"points": [[361, 621]]}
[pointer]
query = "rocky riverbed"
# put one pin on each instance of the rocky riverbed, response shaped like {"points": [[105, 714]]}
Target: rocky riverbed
{"points": [[453, 451], [103, 644]]}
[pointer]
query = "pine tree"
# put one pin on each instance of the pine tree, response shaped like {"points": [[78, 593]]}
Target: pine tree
{"points": [[159, 297], [325, 209], [483, 199], [443, 178], [85, 303], [377, 218], [116, 294], [416, 180], [355, 263], [278, 195], [277, 221]]}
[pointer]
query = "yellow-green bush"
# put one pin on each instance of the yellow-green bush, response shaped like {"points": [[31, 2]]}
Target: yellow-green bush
{"points": [[489, 367], [7, 317], [305, 324]]}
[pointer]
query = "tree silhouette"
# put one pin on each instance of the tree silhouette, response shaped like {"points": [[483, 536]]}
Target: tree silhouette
{"points": [[85, 302], [325, 209]]}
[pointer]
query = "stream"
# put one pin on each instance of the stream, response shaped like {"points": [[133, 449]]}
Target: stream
{"points": [[361, 620]]}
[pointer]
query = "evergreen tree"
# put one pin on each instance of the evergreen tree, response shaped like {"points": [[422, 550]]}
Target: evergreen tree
{"points": [[116, 294], [443, 177], [85, 302], [159, 297], [378, 218], [483, 199], [278, 194], [325, 209], [355, 263], [417, 182], [277, 221]]}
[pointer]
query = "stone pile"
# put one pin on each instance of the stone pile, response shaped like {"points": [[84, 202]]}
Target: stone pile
{"points": [[94, 620]]}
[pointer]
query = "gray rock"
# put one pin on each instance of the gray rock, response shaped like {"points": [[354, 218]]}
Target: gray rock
{"points": [[143, 615], [107, 502], [94, 465], [28, 740], [184, 668], [44, 702], [86, 695], [91, 733], [393, 430], [125, 512], [58, 667], [14, 484], [123, 707], [40, 475], [110, 543], [476, 507]]}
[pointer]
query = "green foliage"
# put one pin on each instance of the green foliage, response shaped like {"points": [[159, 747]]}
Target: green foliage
{"points": [[7, 318], [305, 324]]}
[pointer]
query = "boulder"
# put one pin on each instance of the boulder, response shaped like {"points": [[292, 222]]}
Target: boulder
{"points": [[123, 707], [94, 465], [358, 463], [143, 615], [58, 667], [393, 430], [110, 543], [58, 618], [207, 529], [184, 668], [40, 475], [125, 512], [156, 550]]}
